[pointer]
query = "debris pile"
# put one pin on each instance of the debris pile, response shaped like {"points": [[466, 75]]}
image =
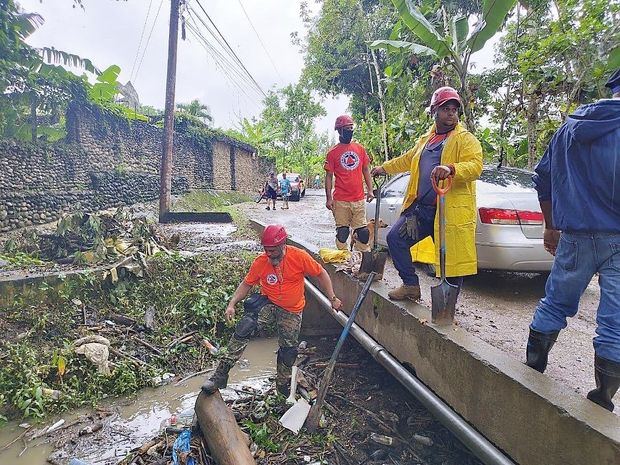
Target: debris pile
{"points": [[93, 238], [367, 420]]}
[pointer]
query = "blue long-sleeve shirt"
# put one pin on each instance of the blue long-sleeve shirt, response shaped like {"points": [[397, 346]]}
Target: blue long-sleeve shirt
{"points": [[580, 170]]}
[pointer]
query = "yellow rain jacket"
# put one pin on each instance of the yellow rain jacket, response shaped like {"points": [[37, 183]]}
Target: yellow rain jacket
{"points": [[463, 151]]}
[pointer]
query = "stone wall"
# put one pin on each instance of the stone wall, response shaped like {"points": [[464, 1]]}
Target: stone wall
{"points": [[136, 146], [108, 161]]}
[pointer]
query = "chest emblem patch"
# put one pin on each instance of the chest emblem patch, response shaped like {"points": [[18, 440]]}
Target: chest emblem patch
{"points": [[349, 160], [272, 278]]}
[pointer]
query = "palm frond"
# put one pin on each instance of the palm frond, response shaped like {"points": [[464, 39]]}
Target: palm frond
{"points": [[51, 55]]}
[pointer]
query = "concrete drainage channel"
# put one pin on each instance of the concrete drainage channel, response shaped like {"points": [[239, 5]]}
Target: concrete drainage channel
{"points": [[477, 443]]}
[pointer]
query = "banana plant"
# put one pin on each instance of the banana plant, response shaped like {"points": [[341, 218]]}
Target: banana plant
{"points": [[453, 43]]}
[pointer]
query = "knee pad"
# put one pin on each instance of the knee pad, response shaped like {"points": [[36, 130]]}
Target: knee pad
{"points": [[253, 304], [246, 327], [363, 234], [342, 233], [287, 356]]}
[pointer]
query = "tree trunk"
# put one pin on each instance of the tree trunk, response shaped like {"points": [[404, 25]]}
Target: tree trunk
{"points": [[381, 107], [532, 131]]}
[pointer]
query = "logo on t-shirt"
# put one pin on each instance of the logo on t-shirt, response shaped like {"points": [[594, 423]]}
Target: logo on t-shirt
{"points": [[349, 160], [272, 278]]}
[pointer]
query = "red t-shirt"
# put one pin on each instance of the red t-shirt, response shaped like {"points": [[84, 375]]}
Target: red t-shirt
{"points": [[346, 162], [284, 283]]}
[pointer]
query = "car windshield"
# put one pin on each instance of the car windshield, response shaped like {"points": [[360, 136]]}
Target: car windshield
{"points": [[506, 180], [397, 187]]}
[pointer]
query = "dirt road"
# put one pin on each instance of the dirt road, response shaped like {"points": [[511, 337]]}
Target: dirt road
{"points": [[496, 307]]}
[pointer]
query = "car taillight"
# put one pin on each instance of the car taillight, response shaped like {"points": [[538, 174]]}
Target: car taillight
{"points": [[504, 216]]}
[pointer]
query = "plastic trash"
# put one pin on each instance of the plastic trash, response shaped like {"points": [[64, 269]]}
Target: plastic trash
{"points": [[77, 462], [182, 446], [382, 439], [424, 440], [185, 418]]}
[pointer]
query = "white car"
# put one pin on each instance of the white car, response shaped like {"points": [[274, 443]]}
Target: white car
{"points": [[509, 229]]}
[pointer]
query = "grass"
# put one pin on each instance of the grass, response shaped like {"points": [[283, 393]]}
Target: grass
{"points": [[209, 200]]}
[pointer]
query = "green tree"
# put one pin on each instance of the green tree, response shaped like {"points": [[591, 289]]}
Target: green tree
{"points": [[197, 109], [446, 37], [290, 113]]}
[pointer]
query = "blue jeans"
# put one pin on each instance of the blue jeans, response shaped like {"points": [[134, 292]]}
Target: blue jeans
{"points": [[400, 247], [579, 256]]}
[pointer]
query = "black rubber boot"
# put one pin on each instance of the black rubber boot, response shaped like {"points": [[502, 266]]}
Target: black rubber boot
{"points": [[607, 376], [283, 379], [218, 380], [538, 347]]}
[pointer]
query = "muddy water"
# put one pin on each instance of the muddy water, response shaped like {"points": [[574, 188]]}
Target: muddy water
{"points": [[140, 417]]}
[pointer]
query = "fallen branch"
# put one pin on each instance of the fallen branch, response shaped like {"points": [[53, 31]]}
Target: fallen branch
{"points": [[131, 358], [193, 375], [181, 339], [10, 443], [148, 346]]}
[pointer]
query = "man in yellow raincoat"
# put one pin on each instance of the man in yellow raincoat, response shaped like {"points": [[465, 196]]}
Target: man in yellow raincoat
{"points": [[447, 150]]}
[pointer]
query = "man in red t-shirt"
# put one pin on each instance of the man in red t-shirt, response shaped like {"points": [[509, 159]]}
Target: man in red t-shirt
{"points": [[350, 164], [280, 273]]}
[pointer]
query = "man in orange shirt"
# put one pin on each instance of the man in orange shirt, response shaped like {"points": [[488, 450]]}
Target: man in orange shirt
{"points": [[350, 164], [280, 273]]}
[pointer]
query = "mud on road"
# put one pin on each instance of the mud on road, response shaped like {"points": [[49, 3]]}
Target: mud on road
{"points": [[496, 307]]}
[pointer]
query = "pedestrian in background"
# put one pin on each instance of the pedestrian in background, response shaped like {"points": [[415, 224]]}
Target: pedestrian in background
{"points": [[285, 190], [271, 190], [446, 150], [317, 182], [578, 184], [349, 163]]}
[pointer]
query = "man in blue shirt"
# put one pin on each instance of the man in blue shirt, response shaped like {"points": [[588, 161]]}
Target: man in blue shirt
{"points": [[285, 189], [578, 184]]}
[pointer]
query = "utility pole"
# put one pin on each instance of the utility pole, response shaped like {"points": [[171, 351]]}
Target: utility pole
{"points": [[167, 146]]}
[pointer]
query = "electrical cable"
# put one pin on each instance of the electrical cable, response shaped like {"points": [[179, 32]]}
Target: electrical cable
{"points": [[148, 40], [259, 39], [221, 61], [231, 65], [146, 19], [230, 48]]}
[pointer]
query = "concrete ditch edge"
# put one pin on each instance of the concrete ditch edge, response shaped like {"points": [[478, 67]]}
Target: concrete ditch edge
{"points": [[533, 418]]}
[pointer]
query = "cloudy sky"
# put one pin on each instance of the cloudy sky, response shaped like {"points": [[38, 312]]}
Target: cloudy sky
{"points": [[110, 32]]}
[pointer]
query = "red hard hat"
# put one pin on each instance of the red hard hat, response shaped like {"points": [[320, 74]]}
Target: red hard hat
{"points": [[342, 121], [274, 235], [442, 95]]}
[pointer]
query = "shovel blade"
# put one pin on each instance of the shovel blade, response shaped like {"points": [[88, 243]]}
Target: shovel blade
{"points": [[443, 298], [374, 261], [295, 417]]}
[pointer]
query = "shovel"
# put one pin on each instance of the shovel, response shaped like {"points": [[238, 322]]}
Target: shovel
{"points": [[315, 412], [443, 295], [375, 260], [294, 418]]}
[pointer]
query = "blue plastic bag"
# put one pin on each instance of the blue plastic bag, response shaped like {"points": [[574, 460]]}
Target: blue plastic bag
{"points": [[181, 445]]}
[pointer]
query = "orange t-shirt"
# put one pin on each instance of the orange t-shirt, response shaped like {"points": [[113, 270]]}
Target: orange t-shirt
{"points": [[284, 283], [346, 162]]}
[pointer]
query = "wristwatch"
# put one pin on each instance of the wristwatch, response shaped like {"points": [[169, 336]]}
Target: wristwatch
{"points": [[332, 298]]}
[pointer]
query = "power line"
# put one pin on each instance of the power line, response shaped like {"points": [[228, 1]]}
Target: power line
{"points": [[148, 12], [230, 48], [221, 61], [148, 40], [259, 39], [226, 59]]}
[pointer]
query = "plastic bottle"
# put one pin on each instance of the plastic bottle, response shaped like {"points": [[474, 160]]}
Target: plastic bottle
{"points": [[381, 439]]}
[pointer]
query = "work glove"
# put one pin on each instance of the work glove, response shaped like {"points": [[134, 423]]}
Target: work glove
{"points": [[409, 229]]}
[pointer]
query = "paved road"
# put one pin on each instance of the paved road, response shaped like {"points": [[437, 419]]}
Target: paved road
{"points": [[497, 307]]}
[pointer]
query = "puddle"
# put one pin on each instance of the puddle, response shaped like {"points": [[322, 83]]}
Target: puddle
{"points": [[142, 416]]}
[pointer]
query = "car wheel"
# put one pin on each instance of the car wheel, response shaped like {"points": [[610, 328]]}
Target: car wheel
{"points": [[303, 193]]}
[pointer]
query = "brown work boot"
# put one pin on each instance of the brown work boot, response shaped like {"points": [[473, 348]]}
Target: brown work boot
{"points": [[405, 292], [219, 379]]}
